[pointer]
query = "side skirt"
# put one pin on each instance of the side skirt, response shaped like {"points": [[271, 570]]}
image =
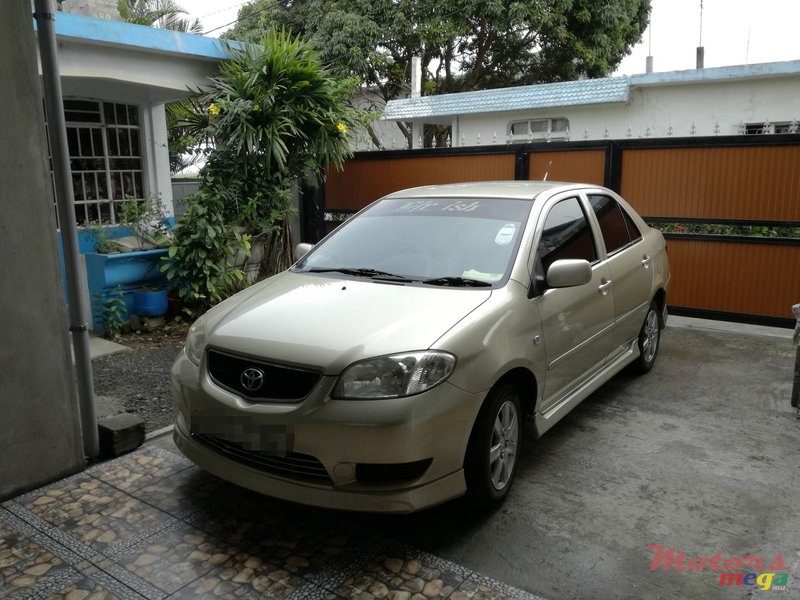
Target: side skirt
{"points": [[544, 421]]}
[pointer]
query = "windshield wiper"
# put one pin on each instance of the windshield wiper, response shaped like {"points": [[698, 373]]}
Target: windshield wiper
{"points": [[361, 272], [457, 282]]}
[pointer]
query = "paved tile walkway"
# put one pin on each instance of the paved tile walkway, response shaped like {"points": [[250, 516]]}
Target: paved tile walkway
{"points": [[152, 525]]}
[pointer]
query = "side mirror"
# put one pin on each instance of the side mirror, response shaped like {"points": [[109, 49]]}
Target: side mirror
{"points": [[569, 272], [301, 250]]}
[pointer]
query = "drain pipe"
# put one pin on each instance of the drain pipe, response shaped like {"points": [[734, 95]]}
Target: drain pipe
{"points": [[65, 201], [795, 399]]}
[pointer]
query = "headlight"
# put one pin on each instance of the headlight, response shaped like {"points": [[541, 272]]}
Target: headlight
{"points": [[196, 341], [394, 376]]}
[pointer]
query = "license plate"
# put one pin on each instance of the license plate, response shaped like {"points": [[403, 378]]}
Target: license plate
{"points": [[244, 433]]}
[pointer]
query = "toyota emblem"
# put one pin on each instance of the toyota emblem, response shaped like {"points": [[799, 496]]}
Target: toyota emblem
{"points": [[252, 379]]}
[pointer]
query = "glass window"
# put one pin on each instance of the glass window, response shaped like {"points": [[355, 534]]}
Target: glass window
{"points": [[519, 128], [540, 126], [428, 238], [612, 222], [539, 129], [105, 155], [633, 231], [566, 234]]}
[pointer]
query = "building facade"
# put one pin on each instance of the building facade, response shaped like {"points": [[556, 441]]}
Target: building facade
{"points": [[736, 100]]}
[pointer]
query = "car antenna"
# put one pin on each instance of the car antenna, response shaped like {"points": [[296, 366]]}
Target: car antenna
{"points": [[546, 173]]}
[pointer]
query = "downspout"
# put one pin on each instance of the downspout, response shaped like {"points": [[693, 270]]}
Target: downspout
{"points": [[65, 201]]}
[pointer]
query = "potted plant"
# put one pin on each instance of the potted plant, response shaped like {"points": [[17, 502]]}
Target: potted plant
{"points": [[127, 256]]}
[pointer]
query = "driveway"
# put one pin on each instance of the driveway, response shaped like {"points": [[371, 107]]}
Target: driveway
{"points": [[701, 455]]}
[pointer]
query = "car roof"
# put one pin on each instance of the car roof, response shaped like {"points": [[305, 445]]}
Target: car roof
{"points": [[523, 190]]}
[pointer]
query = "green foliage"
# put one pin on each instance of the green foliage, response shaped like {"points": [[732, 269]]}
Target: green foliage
{"points": [[186, 138], [464, 44], [198, 264], [163, 14], [728, 229], [103, 245], [114, 312], [146, 219], [272, 116]]}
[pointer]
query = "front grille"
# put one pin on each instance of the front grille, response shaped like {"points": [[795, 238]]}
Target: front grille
{"points": [[278, 382], [299, 467]]}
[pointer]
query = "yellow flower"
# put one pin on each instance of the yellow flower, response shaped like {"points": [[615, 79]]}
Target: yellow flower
{"points": [[256, 108], [341, 127], [213, 109]]}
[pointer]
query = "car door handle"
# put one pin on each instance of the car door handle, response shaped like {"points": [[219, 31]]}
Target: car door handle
{"points": [[604, 286], [646, 260]]}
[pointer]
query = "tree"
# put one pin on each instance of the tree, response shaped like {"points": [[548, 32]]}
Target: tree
{"points": [[464, 44], [163, 14], [272, 117]]}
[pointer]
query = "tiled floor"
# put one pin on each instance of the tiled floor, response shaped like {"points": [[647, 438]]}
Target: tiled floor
{"points": [[151, 525]]}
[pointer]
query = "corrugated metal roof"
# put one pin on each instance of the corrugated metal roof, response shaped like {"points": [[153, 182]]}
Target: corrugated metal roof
{"points": [[568, 93]]}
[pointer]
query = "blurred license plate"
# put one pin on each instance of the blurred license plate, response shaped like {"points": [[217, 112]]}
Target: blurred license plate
{"points": [[244, 433]]}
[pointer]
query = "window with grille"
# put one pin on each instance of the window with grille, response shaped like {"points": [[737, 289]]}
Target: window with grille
{"points": [[767, 127], [105, 154], [538, 129]]}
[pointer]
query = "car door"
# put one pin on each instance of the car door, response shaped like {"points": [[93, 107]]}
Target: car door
{"points": [[576, 321], [631, 266]]}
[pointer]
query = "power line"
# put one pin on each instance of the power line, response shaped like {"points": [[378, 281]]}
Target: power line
{"points": [[222, 10], [253, 14]]}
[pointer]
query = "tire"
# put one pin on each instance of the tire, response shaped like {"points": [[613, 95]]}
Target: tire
{"points": [[494, 446], [649, 340]]}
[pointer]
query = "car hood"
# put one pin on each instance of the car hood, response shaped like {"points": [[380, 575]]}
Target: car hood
{"points": [[329, 322]]}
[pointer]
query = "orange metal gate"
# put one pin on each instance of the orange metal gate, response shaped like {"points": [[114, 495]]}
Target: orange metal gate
{"points": [[719, 181]]}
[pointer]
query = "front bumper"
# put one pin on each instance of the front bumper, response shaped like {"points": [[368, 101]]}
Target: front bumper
{"points": [[432, 427]]}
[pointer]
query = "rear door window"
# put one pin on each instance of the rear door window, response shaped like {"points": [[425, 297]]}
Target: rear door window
{"points": [[617, 227]]}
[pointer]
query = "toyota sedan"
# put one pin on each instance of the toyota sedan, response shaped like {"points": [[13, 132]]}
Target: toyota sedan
{"points": [[402, 361]]}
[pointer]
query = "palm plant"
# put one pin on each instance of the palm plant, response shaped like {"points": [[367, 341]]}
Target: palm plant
{"points": [[276, 116], [163, 14], [273, 116]]}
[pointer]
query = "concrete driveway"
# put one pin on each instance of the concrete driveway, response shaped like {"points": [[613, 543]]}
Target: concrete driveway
{"points": [[700, 456]]}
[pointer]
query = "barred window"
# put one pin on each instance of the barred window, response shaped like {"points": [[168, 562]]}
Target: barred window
{"points": [[105, 154]]}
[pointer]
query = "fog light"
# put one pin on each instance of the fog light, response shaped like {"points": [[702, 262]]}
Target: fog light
{"points": [[344, 471]]}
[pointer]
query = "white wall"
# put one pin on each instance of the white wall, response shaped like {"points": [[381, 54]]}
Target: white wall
{"points": [[656, 107]]}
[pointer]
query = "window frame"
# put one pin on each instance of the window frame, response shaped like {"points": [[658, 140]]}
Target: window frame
{"points": [[529, 134], [626, 218], [109, 177]]}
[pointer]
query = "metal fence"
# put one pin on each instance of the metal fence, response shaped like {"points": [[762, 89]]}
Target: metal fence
{"points": [[729, 205]]}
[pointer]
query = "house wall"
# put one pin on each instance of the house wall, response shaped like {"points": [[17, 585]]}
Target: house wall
{"points": [[657, 107], [143, 78], [39, 429]]}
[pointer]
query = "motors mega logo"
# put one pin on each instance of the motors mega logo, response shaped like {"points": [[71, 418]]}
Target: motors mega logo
{"points": [[752, 570]]}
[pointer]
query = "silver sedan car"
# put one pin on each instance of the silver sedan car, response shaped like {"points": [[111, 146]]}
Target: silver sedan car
{"points": [[393, 366]]}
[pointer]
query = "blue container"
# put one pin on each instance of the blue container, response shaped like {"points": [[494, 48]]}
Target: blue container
{"points": [[150, 303]]}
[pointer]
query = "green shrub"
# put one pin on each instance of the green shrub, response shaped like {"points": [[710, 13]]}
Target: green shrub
{"points": [[198, 265]]}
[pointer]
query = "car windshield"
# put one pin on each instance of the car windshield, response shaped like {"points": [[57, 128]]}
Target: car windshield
{"points": [[441, 241]]}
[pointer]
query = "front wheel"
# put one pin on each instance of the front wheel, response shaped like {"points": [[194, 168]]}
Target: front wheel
{"points": [[494, 447], [649, 338]]}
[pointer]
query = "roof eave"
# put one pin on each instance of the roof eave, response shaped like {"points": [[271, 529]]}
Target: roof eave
{"points": [[91, 30]]}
